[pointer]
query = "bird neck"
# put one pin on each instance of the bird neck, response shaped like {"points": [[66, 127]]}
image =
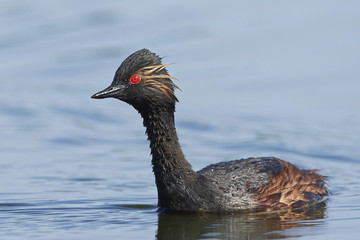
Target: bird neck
{"points": [[167, 155], [179, 186]]}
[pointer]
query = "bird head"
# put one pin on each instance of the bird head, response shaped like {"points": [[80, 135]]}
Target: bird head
{"points": [[141, 80]]}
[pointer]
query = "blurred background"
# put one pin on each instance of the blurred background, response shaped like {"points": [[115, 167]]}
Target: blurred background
{"points": [[260, 78]]}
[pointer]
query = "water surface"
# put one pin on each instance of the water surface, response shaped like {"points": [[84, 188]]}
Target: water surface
{"points": [[258, 79]]}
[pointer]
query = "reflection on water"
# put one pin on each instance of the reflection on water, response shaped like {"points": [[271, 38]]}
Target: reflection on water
{"points": [[244, 226]]}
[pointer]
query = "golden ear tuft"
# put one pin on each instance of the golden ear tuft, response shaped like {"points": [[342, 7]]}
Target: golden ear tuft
{"points": [[148, 74]]}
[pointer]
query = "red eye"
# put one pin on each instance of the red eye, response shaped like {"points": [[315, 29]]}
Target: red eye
{"points": [[135, 79]]}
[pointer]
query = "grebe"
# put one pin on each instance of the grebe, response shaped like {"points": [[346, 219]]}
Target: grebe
{"points": [[245, 185]]}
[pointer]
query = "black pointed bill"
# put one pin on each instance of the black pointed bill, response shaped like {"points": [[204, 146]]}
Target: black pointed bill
{"points": [[112, 91]]}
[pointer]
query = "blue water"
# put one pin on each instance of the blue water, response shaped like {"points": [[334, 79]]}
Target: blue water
{"points": [[259, 78]]}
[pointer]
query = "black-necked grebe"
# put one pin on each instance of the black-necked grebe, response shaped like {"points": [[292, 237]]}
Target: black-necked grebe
{"points": [[246, 185]]}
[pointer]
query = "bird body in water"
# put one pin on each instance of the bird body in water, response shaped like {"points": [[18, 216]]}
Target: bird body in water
{"points": [[245, 185]]}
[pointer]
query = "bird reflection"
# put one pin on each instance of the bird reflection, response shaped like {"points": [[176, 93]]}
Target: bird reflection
{"points": [[239, 226]]}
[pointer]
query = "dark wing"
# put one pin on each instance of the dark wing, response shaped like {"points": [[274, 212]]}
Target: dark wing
{"points": [[266, 183], [240, 179], [244, 173]]}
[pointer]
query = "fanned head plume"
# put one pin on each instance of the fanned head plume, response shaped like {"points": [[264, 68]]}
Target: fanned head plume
{"points": [[151, 76], [142, 80]]}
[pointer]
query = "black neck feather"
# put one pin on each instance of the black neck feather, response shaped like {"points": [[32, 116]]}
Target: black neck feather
{"points": [[179, 187], [167, 156]]}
